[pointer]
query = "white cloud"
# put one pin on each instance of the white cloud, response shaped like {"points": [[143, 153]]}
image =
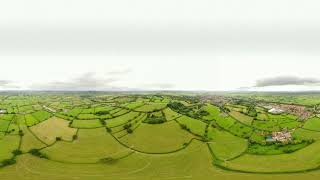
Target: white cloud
{"points": [[86, 82], [168, 44], [286, 80]]}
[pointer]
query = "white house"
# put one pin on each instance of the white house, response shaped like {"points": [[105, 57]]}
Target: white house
{"points": [[275, 111]]}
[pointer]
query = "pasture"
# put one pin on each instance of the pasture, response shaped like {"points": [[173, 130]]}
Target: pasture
{"points": [[146, 136]]}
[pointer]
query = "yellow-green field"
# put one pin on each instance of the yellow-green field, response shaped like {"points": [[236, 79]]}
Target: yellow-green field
{"points": [[73, 136]]}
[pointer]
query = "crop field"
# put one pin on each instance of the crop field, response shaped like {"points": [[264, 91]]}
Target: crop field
{"points": [[162, 136]]}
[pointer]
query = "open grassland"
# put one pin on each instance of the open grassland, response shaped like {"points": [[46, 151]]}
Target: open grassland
{"points": [[313, 124], [304, 159], [171, 136], [214, 112], [92, 145], [225, 145], [241, 117], [304, 134], [48, 131], [86, 123], [162, 138], [118, 121], [170, 115], [193, 125], [4, 125], [8, 144], [31, 120], [41, 115], [30, 141], [151, 107], [191, 163]]}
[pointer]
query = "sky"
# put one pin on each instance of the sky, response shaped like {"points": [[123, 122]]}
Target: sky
{"points": [[212, 45]]}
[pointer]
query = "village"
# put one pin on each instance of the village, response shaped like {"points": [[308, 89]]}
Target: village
{"points": [[281, 136], [301, 111]]}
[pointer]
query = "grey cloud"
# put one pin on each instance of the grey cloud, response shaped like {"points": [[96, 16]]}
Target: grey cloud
{"points": [[226, 26], [6, 84], [145, 40], [85, 82], [286, 80]]}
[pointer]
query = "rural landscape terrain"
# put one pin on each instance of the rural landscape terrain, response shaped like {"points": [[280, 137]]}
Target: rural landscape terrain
{"points": [[100, 135], [159, 90]]}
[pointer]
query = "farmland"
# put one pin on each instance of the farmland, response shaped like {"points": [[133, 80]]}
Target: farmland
{"points": [[158, 136]]}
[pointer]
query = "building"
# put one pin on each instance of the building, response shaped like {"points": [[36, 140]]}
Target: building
{"points": [[270, 139], [49, 109], [282, 136], [2, 111], [275, 111]]}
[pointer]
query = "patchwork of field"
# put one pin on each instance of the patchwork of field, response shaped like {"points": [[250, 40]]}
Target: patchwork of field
{"points": [[146, 136]]}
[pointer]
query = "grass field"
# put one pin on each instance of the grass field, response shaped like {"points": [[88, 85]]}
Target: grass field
{"points": [[4, 125], [53, 128], [109, 136], [313, 124], [118, 121], [31, 120], [194, 125], [8, 144], [225, 145], [30, 141], [241, 117], [151, 107], [86, 123], [41, 115], [304, 134], [91, 146], [157, 138], [307, 158], [214, 112], [170, 115]]}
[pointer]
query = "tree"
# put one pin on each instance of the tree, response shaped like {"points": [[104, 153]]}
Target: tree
{"points": [[109, 130], [7, 162], [36, 152], [74, 137], [129, 130], [16, 152]]}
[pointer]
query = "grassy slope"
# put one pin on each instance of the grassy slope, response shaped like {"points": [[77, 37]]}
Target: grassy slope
{"points": [[7, 145], [54, 127], [157, 138], [192, 163], [195, 126], [303, 159], [225, 145], [91, 146]]}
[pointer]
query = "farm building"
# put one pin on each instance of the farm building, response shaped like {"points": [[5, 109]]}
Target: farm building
{"points": [[283, 136], [275, 111], [49, 109], [2, 111]]}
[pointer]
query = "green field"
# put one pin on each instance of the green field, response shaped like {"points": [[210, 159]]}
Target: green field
{"points": [[163, 136]]}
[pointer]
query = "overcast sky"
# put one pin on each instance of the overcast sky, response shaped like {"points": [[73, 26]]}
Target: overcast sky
{"points": [[160, 45]]}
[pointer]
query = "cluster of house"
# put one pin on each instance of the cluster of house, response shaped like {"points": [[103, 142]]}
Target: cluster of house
{"points": [[297, 110], [281, 136], [215, 99]]}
